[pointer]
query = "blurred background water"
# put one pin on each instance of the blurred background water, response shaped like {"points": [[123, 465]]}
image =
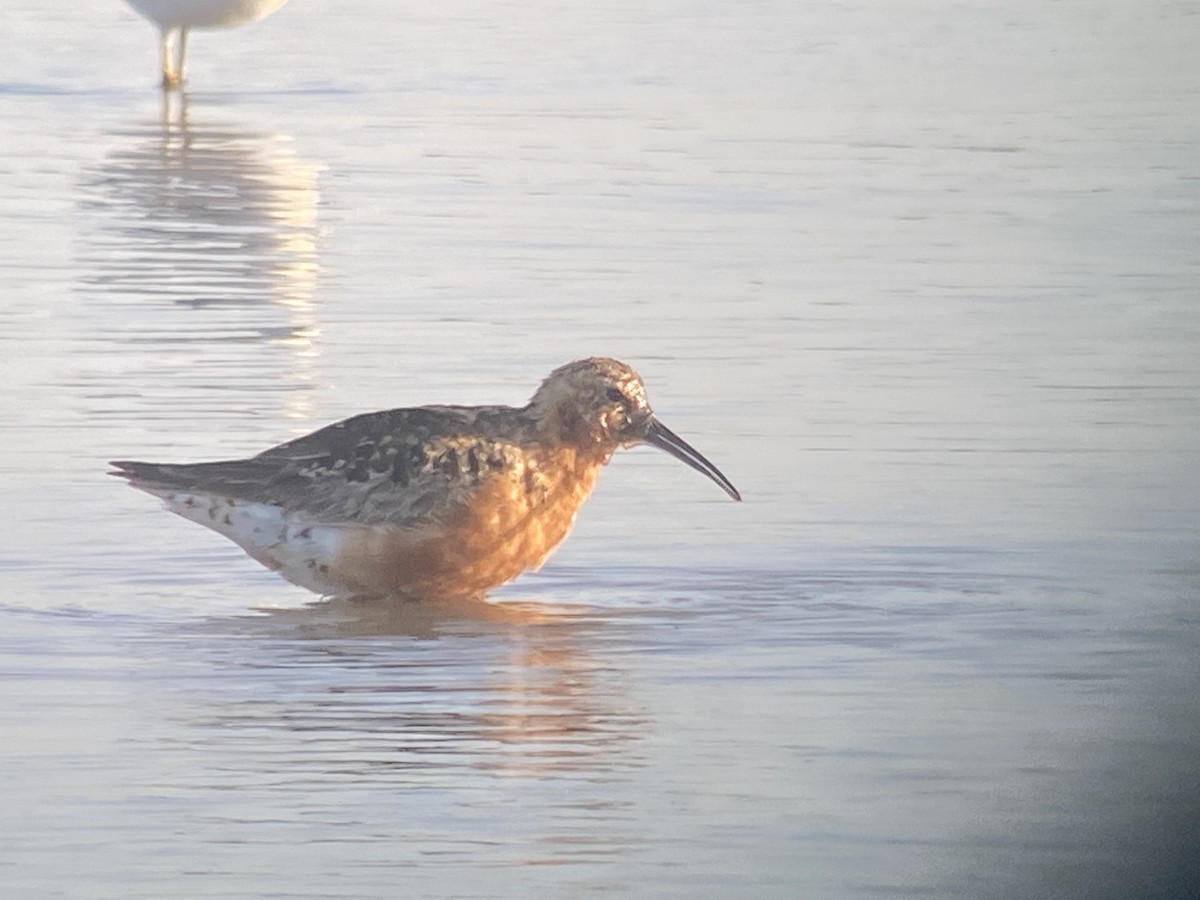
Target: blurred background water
{"points": [[921, 277]]}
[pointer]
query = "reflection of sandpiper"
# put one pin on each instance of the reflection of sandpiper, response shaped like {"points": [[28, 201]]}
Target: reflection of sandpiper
{"points": [[175, 18], [514, 689], [436, 501]]}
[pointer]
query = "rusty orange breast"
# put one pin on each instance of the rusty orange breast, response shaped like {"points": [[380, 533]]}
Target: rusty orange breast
{"points": [[508, 522]]}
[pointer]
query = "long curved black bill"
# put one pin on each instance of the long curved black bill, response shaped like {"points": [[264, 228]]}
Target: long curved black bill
{"points": [[660, 436]]}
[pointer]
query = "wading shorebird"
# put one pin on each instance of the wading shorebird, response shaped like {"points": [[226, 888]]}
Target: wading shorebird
{"points": [[175, 18], [425, 502]]}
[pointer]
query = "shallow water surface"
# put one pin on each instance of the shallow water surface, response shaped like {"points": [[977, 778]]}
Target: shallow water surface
{"points": [[920, 279]]}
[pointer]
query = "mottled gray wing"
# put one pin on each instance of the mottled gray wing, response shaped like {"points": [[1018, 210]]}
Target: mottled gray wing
{"points": [[403, 466]]}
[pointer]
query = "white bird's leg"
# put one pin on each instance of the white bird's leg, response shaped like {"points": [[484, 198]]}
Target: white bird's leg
{"points": [[170, 74], [164, 56], [183, 44]]}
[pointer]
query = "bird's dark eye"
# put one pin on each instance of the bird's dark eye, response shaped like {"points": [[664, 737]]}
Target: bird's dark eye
{"points": [[615, 395]]}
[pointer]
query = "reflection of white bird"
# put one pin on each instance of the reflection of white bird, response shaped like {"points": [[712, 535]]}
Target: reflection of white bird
{"points": [[177, 17]]}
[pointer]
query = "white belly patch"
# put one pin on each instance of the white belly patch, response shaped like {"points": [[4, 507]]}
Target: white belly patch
{"points": [[301, 551]]}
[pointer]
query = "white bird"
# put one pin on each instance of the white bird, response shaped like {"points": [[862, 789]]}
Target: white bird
{"points": [[175, 18]]}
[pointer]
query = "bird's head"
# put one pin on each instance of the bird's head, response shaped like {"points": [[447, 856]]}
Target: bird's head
{"points": [[600, 404]]}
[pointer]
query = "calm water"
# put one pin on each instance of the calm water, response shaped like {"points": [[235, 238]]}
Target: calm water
{"points": [[923, 278]]}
